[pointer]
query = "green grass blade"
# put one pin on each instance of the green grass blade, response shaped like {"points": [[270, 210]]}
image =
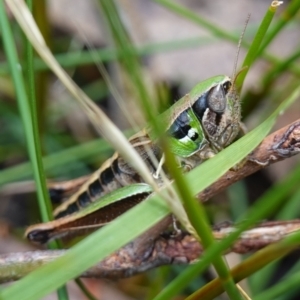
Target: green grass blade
{"points": [[43, 199], [217, 30], [79, 58], [232, 155], [259, 211], [290, 211], [255, 45], [84, 290], [131, 63], [199, 220], [284, 287], [192, 16], [34, 150], [29, 118], [238, 199], [250, 265], [284, 18], [278, 69], [88, 150]]}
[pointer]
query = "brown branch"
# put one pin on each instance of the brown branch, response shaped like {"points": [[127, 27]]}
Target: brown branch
{"points": [[165, 250], [153, 249]]}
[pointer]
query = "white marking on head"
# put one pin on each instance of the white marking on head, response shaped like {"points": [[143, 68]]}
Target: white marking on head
{"points": [[185, 140], [192, 133]]}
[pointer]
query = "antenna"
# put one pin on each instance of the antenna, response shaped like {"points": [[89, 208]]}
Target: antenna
{"points": [[234, 74]]}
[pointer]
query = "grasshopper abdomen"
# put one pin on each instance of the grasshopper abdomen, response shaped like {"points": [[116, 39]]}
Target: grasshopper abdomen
{"points": [[114, 174]]}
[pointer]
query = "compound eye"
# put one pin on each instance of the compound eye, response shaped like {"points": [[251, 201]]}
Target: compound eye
{"points": [[217, 99], [200, 105], [226, 86], [180, 127]]}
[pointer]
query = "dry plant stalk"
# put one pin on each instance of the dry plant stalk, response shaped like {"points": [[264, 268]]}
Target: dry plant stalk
{"points": [[154, 249]]}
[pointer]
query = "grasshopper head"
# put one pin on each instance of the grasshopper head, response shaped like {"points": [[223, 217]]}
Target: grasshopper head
{"points": [[218, 110], [208, 118]]}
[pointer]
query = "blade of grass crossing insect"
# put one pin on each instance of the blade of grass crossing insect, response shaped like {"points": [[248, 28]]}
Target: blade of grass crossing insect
{"points": [[261, 209], [198, 218], [252, 139]]}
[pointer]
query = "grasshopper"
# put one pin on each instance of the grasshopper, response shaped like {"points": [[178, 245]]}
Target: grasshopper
{"points": [[197, 127]]}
